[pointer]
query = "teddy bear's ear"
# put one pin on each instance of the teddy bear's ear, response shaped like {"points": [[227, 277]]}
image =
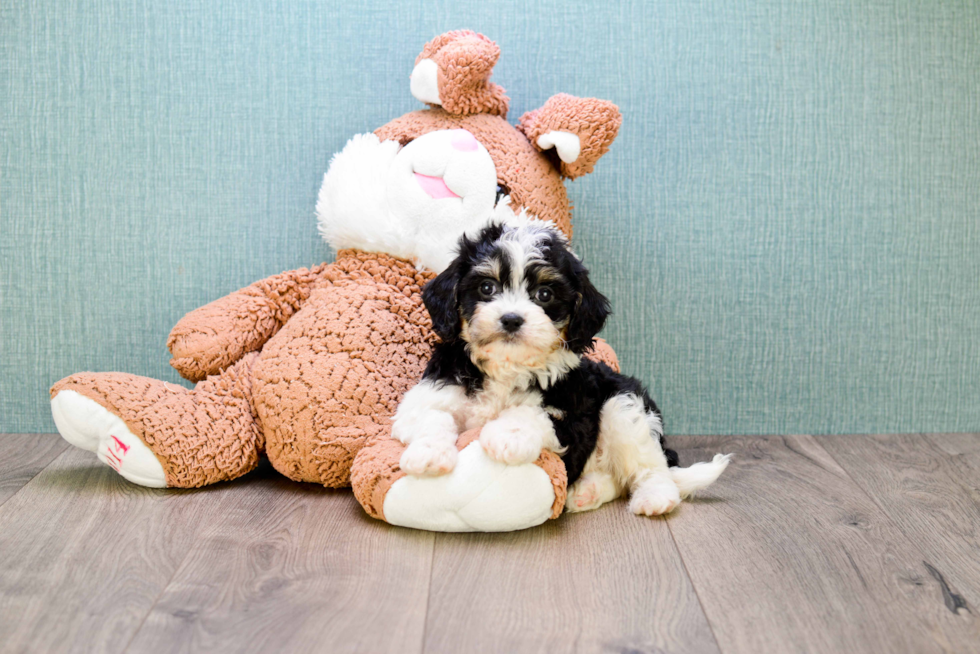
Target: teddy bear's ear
{"points": [[454, 71], [579, 129]]}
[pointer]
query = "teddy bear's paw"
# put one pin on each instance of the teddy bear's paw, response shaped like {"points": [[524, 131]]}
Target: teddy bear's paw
{"points": [[424, 82], [655, 496], [88, 425], [591, 492], [480, 494], [453, 71], [429, 457], [510, 442]]}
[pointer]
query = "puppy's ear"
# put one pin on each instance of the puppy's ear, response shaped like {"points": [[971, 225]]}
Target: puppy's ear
{"points": [[442, 299], [589, 314]]}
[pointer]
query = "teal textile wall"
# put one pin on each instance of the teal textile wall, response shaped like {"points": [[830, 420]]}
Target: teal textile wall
{"points": [[787, 225]]}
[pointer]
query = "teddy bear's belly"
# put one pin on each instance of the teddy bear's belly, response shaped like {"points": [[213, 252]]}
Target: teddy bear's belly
{"points": [[333, 377]]}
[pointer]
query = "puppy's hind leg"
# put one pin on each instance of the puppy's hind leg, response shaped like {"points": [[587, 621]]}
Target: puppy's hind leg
{"points": [[629, 438], [654, 494]]}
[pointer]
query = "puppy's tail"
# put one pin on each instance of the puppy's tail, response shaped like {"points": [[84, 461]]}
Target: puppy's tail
{"points": [[700, 475]]}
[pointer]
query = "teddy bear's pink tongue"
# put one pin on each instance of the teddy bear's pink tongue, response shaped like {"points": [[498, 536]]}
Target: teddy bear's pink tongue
{"points": [[435, 187]]}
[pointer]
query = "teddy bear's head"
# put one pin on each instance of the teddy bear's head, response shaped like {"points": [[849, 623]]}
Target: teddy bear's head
{"points": [[418, 183]]}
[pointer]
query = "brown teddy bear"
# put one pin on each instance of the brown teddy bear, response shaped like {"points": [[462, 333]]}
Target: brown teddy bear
{"points": [[308, 366]]}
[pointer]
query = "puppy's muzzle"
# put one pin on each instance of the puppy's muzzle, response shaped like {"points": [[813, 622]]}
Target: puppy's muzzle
{"points": [[511, 322]]}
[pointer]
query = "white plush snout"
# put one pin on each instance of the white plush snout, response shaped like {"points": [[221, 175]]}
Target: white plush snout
{"points": [[455, 157], [412, 202]]}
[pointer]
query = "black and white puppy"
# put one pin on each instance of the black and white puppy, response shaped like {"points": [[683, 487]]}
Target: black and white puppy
{"points": [[516, 312]]}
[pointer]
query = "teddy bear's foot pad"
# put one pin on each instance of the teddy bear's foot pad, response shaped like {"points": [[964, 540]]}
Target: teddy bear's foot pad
{"points": [[480, 494], [88, 425]]}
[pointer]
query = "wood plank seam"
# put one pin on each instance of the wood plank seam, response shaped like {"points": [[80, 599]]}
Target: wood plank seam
{"points": [[859, 563], [274, 557], [599, 581], [697, 593], [95, 502], [428, 591], [956, 479], [163, 590], [953, 601], [50, 463], [54, 457], [26, 483]]}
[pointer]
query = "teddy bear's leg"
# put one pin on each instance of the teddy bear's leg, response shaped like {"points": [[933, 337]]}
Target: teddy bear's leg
{"points": [[332, 379], [315, 425], [88, 425], [163, 435]]}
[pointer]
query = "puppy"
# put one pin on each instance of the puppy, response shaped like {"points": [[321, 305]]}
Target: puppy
{"points": [[515, 312]]}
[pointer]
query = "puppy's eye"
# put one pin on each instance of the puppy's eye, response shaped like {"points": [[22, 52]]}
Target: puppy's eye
{"points": [[544, 295], [502, 190], [488, 288]]}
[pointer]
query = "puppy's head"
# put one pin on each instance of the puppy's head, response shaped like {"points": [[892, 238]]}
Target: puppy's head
{"points": [[516, 295]]}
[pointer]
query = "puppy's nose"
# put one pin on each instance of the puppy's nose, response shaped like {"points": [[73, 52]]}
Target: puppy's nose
{"points": [[511, 322]]}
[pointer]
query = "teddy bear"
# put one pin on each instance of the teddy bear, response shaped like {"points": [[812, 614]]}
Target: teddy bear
{"points": [[307, 367]]}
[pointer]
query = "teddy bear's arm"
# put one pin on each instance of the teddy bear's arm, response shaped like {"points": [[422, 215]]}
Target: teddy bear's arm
{"points": [[211, 338], [579, 129]]}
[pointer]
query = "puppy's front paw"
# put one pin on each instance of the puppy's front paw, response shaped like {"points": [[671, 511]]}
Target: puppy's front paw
{"points": [[510, 442], [655, 497], [429, 457]]}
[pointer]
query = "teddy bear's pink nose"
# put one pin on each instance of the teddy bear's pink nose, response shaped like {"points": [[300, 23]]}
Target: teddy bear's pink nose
{"points": [[464, 141]]}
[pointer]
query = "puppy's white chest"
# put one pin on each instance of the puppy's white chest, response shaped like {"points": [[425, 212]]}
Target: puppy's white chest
{"points": [[487, 404]]}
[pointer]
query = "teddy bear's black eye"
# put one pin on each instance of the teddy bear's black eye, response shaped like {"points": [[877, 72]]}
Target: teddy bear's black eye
{"points": [[488, 288], [502, 190], [544, 295]]}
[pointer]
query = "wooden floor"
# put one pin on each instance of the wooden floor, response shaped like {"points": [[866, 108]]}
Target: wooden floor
{"points": [[806, 544]]}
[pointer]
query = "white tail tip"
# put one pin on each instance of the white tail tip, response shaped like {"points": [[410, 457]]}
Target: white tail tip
{"points": [[700, 475]]}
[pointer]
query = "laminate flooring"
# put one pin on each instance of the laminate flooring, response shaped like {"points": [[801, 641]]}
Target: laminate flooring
{"points": [[805, 544]]}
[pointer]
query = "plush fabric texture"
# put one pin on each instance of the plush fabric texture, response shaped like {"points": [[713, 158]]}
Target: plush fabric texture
{"points": [[604, 353], [465, 62], [201, 436], [88, 425], [528, 175], [308, 366], [480, 494], [376, 468], [372, 196], [334, 375], [209, 339], [318, 390], [595, 122]]}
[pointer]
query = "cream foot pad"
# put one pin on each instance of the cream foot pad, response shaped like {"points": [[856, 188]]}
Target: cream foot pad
{"points": [[480, 494], [88, 425]]}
